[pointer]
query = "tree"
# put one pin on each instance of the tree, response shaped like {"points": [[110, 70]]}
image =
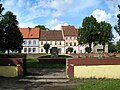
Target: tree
{"points": [[1, 9], [111, 47], [70, 49], [117, 27], [118, 46], [105, 33], [42, 27], [87, 49], [88, 31], [12, 37], [46, 47], [1, 28]]}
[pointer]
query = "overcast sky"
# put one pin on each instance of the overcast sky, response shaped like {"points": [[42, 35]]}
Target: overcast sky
{"points": [[54, 13]]}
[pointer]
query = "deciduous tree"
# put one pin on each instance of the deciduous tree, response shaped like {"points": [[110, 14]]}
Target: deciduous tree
{"points": [[12, 37], [42, 27], [105, 33], [88, 31], [70, 49], [46, 47], [117, 27]]}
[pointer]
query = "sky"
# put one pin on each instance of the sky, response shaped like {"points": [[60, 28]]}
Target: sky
{"points": [[55, 13]]}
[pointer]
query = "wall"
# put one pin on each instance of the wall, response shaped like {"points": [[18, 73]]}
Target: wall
{"points": [[11, 67], [9, 71], [100, 71], [93, 67]]}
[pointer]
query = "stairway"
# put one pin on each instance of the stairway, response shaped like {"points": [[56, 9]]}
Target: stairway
{"points": [[45, 79]]}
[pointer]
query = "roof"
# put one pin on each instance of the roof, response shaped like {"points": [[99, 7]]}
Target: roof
{"points": [[51, 35], [30, 32], [69, 31]]}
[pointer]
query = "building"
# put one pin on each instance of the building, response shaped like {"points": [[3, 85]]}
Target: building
{"points": [[70, 36], [54, 38], [31, 40]]}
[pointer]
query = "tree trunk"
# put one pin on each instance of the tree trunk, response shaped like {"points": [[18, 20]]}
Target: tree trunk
{"points": [[103, 47], [90, 47], [8, 51]]}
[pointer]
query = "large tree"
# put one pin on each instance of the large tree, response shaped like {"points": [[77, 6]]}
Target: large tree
{"points": [[1, 29], [88, 31], [117, 27], [105, 33], [46, 47], [42, 27], [118, 46], [12, 37]]}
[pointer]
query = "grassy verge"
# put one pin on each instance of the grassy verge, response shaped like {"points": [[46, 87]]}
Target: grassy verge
{"points": [[34, 63], [98, 84]]}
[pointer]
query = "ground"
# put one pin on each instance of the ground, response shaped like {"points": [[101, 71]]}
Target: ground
{"points": [[16, 84]]}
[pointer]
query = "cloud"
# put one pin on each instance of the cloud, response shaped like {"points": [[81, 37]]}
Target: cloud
{"points": [[101, 15], [58, 26]]}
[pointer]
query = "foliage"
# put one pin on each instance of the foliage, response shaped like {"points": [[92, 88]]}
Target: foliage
{"points": [[111, 47], [98, 84], [70, 49], [42, 27], [87, 49], [117, 27], [118, 46], [46, 47], [88, 31], [12, 38], [105, 33]]}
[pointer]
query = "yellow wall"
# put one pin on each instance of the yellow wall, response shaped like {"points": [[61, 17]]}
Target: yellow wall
{"points": [[8, 71], [101, 71]]}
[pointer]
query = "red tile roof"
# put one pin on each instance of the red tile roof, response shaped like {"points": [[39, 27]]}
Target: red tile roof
{"points": [[30, 32], [50, 35], [69, 31]]}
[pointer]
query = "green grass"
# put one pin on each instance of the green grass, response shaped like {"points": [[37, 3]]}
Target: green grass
{"points": [[98, 84], [38, 65], [60, 56], [32, 60]]}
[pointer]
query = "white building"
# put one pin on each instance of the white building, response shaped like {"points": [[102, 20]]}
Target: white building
{"points": [[54, 38], [31, 40]]}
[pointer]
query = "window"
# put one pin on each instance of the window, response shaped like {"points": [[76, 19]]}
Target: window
{"points": [[41, 49], [75, 38], [66, 44], [60, 43], [50, 42], [70, 38], [25, 42], [25, 49], [55, 42], [29, 42], [74, 43], [66, 38], [34, 42], [70, 43], [34, 49], [41, 43], [29, 49]]}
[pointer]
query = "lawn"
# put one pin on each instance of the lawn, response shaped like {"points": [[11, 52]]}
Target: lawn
{"points": [[34, 63], [98, 84]]}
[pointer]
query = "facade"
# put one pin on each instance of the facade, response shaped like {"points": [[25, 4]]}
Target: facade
{"points": [[54, 38], [70, 36], [31, 40], [34, 39]]}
